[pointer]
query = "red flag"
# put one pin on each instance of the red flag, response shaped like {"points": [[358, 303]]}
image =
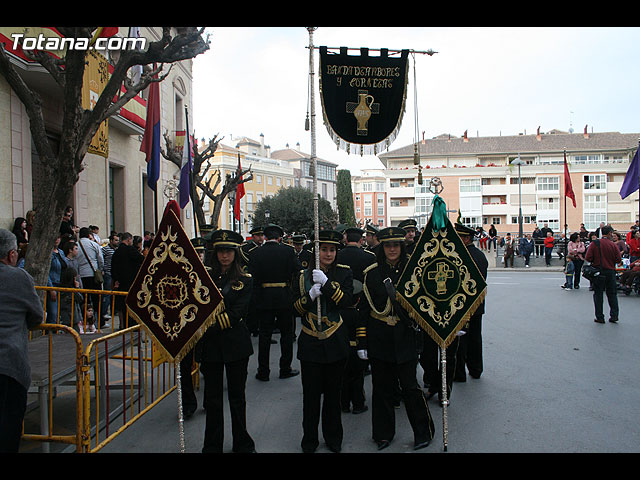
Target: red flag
{"points": [[568, 189], [106, 32], [239, 192]]}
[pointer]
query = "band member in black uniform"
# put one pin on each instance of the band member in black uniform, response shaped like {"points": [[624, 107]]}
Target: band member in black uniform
{"points": [[323, 347], [226, 346], [306, 256], [371, 237], [410, 227], [257, 239], [391, 342], [358, 259], [273, 266], [470, 348], [189, 399]]}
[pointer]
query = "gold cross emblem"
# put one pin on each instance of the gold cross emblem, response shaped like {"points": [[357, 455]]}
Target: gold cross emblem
{"points": [[440, 276]]}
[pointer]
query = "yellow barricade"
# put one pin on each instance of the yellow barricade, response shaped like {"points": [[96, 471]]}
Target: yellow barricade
{"points": [[118, 376]]}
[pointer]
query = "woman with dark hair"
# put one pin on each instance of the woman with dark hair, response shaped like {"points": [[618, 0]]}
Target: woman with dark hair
{"points": [[20, 230], [577, 249], [392, 347], [226, 346], [323, 346]]}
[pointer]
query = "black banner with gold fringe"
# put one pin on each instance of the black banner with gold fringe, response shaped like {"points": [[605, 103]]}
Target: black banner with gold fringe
{"points": [[363, 98]]}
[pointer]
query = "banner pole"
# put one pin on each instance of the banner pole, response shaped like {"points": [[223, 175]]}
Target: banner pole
{"points": [[445, 400], [180, 415], [314, 162]]}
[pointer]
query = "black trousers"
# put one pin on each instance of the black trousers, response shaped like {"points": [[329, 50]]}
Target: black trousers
{"points": [[90, 284], [578, 263], [470, 350], [353, 382], [384, 378], [430, 362], [267, 321], [321, 384], [236, 373], [13, 404], [189, 400], [605, 283]]}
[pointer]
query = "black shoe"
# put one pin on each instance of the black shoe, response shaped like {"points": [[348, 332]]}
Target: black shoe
{"points": [[613, 320], [430, 395], [460, 378], [334, 448], [474, 375], [273, 342], [346, 409], [188, 412], [420, 445], [262, 377], [598, 321], [357, 410], [289, 374], [382, 444]]}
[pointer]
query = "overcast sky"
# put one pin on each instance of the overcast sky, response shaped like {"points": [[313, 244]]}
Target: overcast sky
{"points": [[487, 80]]}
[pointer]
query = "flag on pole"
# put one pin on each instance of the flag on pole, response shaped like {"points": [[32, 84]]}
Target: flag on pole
{"points": [[631, 181], [239, 192], [185, 172], [151, 140], [568, 188]]}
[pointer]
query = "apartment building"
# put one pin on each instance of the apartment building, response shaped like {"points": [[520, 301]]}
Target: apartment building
{"points": [[482, 184], [301, 164], [370, 197], [269, 175]]}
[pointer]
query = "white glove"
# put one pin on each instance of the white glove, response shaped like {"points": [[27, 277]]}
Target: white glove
{"points": [[319, 277], [315, 291], [362, 354]]}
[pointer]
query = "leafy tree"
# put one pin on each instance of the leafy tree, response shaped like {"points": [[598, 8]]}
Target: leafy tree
{"points": [[344, 199], [292, 209]]}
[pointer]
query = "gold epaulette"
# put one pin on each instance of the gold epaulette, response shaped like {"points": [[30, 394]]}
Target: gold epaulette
{"points": [[342, 266], [370, 267]]}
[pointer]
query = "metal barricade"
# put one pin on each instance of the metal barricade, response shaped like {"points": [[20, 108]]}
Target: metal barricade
{"points": [[120, 360]]}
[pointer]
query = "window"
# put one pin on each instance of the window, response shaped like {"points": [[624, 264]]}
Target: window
{"points": [[394, 184], [380, 186], [278, 181], [548, 203], [324, 190], [587, 159], [396, 203], [269, 180], [368, 208], [250, 201], [595, 202], [592, 220], [553, 223], [259, 178], [380, 205], [470, 185], [472, 222], [595, 182], [548, 184], [496, 220], [367, 187]]}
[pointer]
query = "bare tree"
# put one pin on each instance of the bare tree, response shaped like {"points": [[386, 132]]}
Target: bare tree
{"points": [[203, 181], [79, 125]]}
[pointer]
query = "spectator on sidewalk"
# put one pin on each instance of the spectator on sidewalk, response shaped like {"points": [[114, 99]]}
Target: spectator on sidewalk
{"points": [[526, 248], [577, 249], [548, 248], [20, 311], [605, 254]]}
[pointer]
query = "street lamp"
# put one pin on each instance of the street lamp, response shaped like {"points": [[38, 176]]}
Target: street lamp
{"points": [[518, 161]]}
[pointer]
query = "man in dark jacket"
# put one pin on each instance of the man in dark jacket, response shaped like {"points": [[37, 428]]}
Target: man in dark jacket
{"points": [[470, 347], [605, 254], [273, 267], [526, 248], [125, 263]]}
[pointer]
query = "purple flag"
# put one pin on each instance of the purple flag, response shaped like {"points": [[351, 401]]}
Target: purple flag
{"points": [[185, 172], [632, 178]]}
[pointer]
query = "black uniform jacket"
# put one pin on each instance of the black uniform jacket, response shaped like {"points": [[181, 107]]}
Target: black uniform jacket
{"points": [[388, 337], [273, 267], [228, 339], [125, 263], [358, 259], [327, 342], [483, 264]]}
